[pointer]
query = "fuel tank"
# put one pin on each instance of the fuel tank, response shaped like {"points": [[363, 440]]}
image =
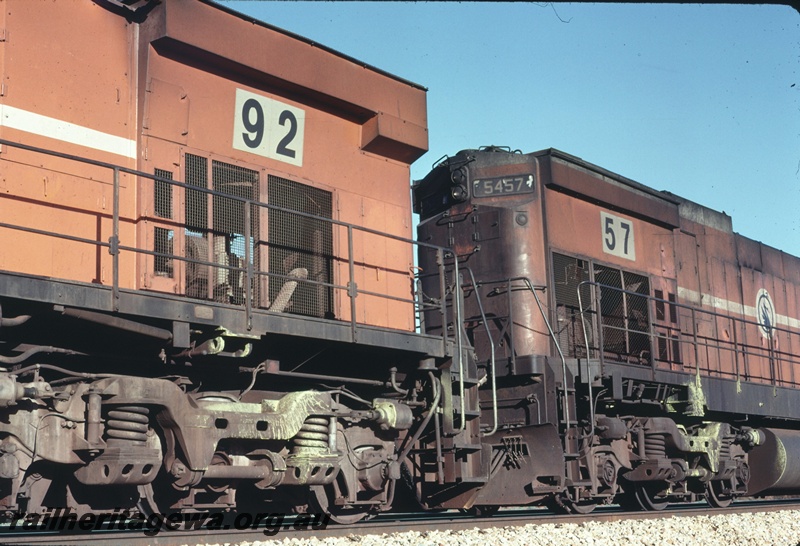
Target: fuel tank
{"points": [[775, 463]]}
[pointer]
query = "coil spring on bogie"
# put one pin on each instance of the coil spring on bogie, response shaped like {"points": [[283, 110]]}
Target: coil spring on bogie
{"points": [[313, 434], [127, 424], [655, 446]]}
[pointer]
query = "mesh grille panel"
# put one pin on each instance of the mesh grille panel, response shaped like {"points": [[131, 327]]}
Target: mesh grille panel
{"points": [[220, 239], [162, 237], [163, 194], [231, 243], [237, 181], [163, 244], [216, 232], [299, 242], [568, 273], [196, 202], [612, 308], [625, 317], [637, 314], [196, 211]]}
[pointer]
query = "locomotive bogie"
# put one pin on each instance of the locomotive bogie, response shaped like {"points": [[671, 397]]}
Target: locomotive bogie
{"points": [[127, 431]]}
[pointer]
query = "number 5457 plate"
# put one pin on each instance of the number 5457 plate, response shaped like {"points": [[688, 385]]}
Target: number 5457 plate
{"points": [[492, 187]]}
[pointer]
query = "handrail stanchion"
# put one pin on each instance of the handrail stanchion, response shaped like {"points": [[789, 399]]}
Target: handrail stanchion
{"points": [[352, 288], [113, 241], [696, 346], [248, 267], [588, 364], [734, 328], [442, 296], [457, 324]]}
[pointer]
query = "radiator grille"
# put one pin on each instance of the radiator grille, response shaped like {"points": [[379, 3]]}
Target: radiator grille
{"points": [[163, 194], [221, 238], [300, 242], [216, 232], [625, 317], [196, 203], [568, 273], [162, 244], [162, 237]]}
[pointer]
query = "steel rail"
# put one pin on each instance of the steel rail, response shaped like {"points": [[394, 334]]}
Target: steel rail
{"points": [[388, 523]]}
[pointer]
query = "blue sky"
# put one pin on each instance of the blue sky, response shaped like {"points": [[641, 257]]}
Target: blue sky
{"points": [[699, 100]]}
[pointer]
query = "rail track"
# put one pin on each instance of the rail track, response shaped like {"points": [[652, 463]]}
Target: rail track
{"points": [[293, 527]]}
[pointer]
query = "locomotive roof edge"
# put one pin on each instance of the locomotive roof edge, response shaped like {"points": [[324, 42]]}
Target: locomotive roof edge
{"points": [[314, 43], [391, 110], [136, 13], [686, 208], [555, 152]]}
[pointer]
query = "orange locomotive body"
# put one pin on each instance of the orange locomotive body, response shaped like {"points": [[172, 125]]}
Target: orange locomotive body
{"points": [[737, 296], [632, 332], [207, 276], [195, 95], [578, 223]]}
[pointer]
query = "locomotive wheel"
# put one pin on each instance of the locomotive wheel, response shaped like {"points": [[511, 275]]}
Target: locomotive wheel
{"points": [[627, 501], [157, 498], [582, 507], [147, 502], [323, 497], [647, 499], [482, 511], [715, 497], [560, 504]]}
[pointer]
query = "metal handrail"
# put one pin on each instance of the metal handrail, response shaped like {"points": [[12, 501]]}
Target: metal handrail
{"points": [[530, 286], [491, 347], [533, 288], [737, 347], [115, 246], [458, 322]]}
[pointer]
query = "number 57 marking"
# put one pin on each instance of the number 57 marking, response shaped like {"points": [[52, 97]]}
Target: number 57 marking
{"points": [[617, 235]]}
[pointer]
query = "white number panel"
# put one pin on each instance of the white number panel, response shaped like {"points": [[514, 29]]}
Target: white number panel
{"points": [[617, 235], [268, 128]]}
